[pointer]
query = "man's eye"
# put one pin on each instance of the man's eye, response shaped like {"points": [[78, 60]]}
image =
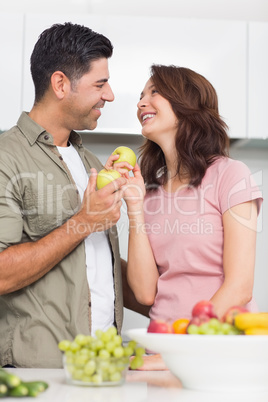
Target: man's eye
{"points": [[100, 86]]}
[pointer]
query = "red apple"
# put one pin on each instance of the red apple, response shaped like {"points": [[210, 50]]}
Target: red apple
{"points": [[204, 307], [230, 314], [160, 326]]}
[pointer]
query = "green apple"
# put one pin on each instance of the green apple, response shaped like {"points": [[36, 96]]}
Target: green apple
{"points": [[106, 176], [125, 155]]}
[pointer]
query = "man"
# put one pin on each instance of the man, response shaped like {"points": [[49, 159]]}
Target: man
{"points": [[60, 271]]}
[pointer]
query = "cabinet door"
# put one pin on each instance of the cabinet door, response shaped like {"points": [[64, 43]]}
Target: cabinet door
{"points": [[258, 80], [11, 45], [215, 49]]}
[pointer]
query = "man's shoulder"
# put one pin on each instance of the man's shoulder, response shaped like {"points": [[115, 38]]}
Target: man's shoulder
{"points": [[9, 137]]}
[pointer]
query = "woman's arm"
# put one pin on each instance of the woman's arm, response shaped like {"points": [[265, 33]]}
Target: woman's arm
{"points": [[240, 227], [142, 272], [130, 301]]}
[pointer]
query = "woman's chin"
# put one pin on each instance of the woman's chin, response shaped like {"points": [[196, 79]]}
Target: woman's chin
{"points": [[145, 133]]}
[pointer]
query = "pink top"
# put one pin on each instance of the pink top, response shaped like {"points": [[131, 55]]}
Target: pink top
{"points": [[186, 234]]}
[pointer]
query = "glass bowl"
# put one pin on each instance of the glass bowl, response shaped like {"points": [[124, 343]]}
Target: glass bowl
{"points": [[95, 371]]}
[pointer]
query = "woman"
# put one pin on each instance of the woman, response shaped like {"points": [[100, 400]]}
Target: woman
{"points": [[193, 235]]}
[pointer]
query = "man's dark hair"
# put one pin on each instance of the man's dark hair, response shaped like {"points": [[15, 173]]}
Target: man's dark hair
{"points": [[69, 48]]}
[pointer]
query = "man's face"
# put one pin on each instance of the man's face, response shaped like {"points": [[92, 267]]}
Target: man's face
{"points": [[88, 95]]}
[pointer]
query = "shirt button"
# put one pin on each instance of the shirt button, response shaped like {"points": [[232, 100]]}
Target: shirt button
{"points": [[61, 158], [46, 137]]}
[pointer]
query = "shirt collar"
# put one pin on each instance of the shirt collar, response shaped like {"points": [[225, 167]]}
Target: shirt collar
{"points": [[35, 133]]}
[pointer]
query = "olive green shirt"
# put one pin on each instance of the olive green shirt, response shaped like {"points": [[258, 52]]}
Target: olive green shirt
{"points": [[38, 194]]}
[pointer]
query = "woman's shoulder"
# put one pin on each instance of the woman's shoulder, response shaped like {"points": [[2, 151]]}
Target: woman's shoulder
{"points": [[226, 173], [234, 182], [227, 162], [225, 166]]}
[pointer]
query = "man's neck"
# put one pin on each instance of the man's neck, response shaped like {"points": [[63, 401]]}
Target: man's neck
{"points": [[50, 121]]}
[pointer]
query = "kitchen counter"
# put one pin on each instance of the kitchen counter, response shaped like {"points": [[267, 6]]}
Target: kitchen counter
{"points": [[140, 386]]}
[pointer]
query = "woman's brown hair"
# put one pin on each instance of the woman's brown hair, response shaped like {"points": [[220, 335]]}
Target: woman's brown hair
{"points": [[202, 134]]}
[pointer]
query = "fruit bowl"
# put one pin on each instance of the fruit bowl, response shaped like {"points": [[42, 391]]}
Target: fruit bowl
{"points": [[211, 363], [96, 371]]}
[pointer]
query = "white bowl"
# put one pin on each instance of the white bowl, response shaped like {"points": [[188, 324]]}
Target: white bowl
{"points": [[212, 362]]}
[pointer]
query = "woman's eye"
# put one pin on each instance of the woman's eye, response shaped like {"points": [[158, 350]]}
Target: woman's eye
{"points": [[154, 91]]}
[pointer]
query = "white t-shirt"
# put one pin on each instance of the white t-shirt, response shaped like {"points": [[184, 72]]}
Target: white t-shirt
{"points": [[98, 253]]}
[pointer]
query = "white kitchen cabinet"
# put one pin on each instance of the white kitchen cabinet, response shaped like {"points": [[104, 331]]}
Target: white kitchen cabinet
{"points": [[11, 46], [258, 80], [216, 49]]}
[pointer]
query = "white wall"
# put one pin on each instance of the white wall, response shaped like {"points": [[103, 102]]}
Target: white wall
{"points": [[254, 10]]}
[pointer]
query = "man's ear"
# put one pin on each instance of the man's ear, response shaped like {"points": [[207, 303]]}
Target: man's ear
{"points": [[60, 84]]}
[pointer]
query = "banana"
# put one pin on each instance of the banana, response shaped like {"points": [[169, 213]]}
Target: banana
{"points": [[256, 331], [250, 320]]}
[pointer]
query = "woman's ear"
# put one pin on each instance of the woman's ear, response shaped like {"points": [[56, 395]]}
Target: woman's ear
{"points": [[60, 84]]}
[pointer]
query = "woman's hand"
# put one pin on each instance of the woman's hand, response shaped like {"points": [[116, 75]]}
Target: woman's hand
{"points": [[134, 191], [152, 363], [122, 167]]}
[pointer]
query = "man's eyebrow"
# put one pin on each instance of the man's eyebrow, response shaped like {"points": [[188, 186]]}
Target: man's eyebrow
{"points": [[102, 80]]}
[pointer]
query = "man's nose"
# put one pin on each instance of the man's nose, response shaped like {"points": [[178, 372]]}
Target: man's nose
{"points": [[108, 95]]}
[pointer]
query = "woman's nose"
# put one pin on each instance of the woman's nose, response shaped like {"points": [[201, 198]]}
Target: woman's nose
{"points": [[142, 103]]}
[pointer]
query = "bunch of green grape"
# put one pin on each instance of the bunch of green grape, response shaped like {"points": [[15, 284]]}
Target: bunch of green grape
{"points": [[100, 359], [213, 327]]}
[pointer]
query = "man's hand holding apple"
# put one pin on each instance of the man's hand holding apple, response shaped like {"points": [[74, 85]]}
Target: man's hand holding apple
{"points": [[100, 209]]}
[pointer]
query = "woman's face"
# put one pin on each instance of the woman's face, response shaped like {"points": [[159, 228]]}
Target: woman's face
{"points": [[156, 115]]}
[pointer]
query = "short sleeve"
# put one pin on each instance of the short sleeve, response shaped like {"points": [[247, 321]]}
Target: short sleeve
{"points": [[237, 185]]}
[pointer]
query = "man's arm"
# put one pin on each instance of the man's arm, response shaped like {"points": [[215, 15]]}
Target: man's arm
{"points": [[23, 264], [130, 301]]}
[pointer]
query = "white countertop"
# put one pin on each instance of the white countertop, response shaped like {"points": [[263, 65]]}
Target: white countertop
{"points": [[140, 386]]}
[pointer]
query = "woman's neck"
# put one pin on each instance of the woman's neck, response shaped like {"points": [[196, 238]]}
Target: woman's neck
{"points": [[175, 183], [174, 179]]}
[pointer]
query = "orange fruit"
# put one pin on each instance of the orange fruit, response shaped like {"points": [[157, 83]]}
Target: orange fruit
{"points": [[180, 325]]}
